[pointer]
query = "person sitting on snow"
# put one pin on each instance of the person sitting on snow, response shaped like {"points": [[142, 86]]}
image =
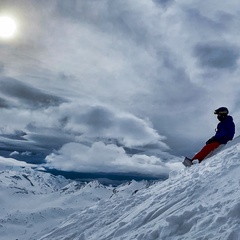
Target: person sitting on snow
{"points": [[224, 132]]}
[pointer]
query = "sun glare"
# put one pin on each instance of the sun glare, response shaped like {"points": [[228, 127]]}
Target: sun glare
{"points": [[8, 27]]}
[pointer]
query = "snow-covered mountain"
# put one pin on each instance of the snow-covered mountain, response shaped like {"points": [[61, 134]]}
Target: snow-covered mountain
{"points": [[201, 202], [32, 201]]}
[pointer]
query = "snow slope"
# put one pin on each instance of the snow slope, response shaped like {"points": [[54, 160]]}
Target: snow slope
{"points": [[201, 202], [31, 201]]}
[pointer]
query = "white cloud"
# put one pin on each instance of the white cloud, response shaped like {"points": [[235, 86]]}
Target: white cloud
{"points": [[98, 121], [14, 163], [104, 158], [14, 153]]}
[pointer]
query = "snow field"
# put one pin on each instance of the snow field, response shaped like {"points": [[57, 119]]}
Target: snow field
{"points": [[33, 203], [201, 202]]}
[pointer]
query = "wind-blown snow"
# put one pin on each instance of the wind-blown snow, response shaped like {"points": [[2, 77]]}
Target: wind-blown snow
{"points": [[201, 202]]}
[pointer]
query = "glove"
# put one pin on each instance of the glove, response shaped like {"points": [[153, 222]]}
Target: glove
{"points": [[211, 140]]}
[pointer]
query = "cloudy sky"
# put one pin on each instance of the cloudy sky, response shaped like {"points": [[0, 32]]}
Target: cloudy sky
{"points": [[88, 81]]}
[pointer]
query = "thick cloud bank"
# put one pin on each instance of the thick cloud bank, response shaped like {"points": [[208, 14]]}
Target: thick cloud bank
{"points": [[104, 158], [101, 136]]}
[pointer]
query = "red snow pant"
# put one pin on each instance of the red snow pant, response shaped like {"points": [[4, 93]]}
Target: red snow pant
{"points": [[206, 150]]}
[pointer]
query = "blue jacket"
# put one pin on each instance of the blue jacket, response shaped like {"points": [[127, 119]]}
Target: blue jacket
{"points": [[225, 130]]}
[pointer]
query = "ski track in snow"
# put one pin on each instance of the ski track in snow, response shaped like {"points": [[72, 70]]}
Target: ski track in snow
{"points": [[201, 202]]}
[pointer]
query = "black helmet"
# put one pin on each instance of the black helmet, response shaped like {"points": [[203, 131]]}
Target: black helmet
{"points": [[221, 111]]}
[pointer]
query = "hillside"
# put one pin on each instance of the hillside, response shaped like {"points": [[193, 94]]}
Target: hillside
{"points": [[33, 201], [201, 202]]}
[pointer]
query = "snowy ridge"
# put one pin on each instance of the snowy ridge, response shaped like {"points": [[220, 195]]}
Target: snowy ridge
{"points": [[28, 181], [202, 202], [32, 201]]}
